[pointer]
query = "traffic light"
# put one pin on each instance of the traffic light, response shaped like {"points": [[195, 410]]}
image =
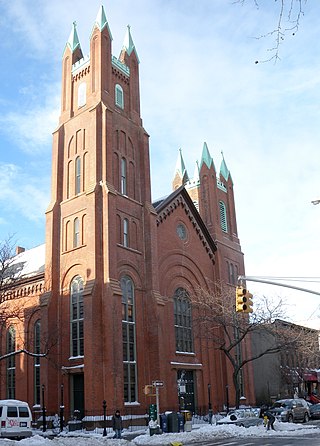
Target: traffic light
{"points": [[243, 300]]}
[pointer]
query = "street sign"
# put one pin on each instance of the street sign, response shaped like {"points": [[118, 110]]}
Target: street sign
{"points": [[158, 383]]}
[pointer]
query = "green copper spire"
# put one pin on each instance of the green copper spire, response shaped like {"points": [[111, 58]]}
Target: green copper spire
{"points": [[101, 20], [224, 171], [128, 44], [73, 41], [181, 168], [206, 157]]}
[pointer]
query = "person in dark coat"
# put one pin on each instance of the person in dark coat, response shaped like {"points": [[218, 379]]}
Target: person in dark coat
{"points": [[271, 419], [117, 424]]}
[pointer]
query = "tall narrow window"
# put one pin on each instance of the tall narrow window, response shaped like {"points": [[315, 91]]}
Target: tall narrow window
{"points": [[119, 96], [78, 176], [183, 321], [77, 317], [11, 363], [223, 216], [76, 232], [123, 176], [129, 341], [82, 94], [36, 371], [125, 232]]}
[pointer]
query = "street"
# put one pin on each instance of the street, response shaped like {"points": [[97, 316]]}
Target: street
{"points": [[313, 440]]}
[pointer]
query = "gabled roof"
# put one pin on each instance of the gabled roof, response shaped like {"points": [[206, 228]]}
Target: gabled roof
{"points": [[180, 197]]}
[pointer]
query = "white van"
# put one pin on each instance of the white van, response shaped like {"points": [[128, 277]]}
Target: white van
{"points": [[15, 419]]}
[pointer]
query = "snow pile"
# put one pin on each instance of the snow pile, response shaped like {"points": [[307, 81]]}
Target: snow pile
{"points": [[202, 434], [208, 432]]}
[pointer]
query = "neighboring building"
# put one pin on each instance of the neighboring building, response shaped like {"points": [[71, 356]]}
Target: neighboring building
{"points": [[112, 310], [294, 370]]}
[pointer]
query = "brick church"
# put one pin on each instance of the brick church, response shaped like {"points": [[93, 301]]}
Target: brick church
{"points": [[106, 299]]}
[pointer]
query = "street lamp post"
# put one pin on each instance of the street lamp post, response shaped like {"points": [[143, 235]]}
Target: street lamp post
{"points": [[61, 409], [227, 397], [104, 406], [209, 403], [44, 423]]}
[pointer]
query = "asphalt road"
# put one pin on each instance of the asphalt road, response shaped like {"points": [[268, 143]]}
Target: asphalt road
{"points": [[307, 440]]}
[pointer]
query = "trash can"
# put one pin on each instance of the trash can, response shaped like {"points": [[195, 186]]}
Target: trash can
{"points": [[153, 428], [180, 422], [187, 416], [163, 422], [173, 422]]}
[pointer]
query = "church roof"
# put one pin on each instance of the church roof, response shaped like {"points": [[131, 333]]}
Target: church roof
{"points": [[101, 20], [224, 171], [165, 206], [206, 157], [73, 41], [30, 263], [181, 167], [128, 44]]}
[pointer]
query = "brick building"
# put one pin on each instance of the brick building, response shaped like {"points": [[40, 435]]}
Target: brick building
{"points": [[108, 303]]}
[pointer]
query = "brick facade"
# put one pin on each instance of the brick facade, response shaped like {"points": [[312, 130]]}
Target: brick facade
{"points": [[101, 227]]}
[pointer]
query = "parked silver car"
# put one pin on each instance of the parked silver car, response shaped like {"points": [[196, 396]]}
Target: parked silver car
{"points": [[291, 410], [242, 417]]}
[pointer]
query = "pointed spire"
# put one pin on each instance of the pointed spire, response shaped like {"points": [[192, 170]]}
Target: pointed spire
{"points": [[128, 44], [196, 175], [206, 157], [73, 41], [101, 21], [224, 171], [180, 167]]}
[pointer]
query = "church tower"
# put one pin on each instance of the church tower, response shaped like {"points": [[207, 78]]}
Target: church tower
{"points": [[97, 221]]}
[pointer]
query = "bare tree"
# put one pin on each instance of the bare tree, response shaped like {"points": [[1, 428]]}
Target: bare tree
{"points": [[215, 319], [289, 16]]}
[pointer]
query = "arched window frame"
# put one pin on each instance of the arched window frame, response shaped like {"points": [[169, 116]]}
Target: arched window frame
{"points": [[82, 94], [11, 363], [183, 321], [123, 176], [223, 216], [129, 340], [78, 175], [76, 232], [119, 97], [76, 317], [125, 232]]}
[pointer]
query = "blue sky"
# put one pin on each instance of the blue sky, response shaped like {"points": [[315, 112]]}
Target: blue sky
{"points": [[199, 82]]}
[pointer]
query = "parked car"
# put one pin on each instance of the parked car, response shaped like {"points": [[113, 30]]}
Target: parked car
{"points": [[315, 411], [291, 410], [241, 417], [15, 419]]}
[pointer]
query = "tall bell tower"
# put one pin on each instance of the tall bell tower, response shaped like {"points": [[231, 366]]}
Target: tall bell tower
{"points": [[99, 214]]}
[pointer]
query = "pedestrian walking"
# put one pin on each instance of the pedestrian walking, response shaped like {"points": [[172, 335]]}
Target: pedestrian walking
{"points": [[117, 424]]}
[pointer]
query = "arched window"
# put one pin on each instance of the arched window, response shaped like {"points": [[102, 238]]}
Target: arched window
{"points": [[76, 232], [123, 176], [129, 340], [183, 321], [78, 176], [82, 94], [125, 232], [77, 317], [223, 216], [119, 99], [36, 370], [11, 363]]}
